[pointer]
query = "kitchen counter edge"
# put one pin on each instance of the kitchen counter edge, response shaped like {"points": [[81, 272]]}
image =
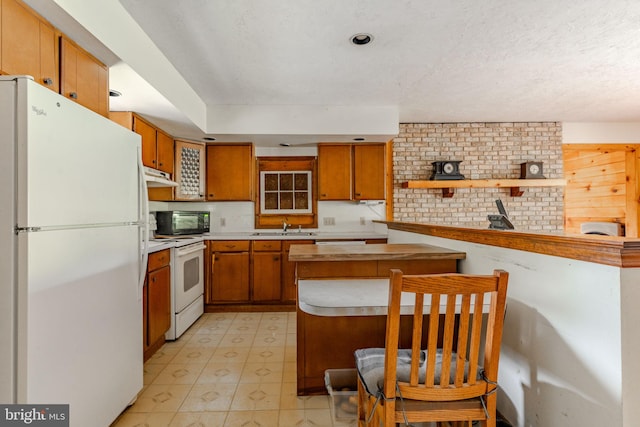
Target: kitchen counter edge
{"points": [[621, 252], [294, 236]]}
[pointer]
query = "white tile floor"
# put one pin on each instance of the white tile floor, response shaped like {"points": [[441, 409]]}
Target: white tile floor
{"points": [[228, 369]]}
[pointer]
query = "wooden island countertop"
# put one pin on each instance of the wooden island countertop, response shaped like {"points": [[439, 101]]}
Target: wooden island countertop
{"points": [[377, 252], [370, 261]]}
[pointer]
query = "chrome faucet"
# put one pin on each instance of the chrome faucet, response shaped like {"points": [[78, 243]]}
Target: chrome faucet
{"points": [[285, 226]]}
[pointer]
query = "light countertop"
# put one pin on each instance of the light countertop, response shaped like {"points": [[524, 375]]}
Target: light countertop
{"points": [[155, 246], [354, 297], [294, 235]]}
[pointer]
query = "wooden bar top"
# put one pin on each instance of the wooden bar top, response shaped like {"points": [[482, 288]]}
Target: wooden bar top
{"points": [[623, 252], [372, 252]]}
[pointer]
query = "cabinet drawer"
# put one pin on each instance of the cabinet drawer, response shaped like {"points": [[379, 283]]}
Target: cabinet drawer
{"points": [[158, 259], [267, 245], [230, 246]]}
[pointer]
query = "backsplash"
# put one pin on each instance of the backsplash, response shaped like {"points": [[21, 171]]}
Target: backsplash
{"points": [[487, 151], [231, 217]]}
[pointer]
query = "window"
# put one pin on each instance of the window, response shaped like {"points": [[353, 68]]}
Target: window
{"points": [[286, 192]]}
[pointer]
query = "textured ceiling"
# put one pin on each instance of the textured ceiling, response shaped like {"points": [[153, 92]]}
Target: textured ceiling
{"points": [[431, 60]]}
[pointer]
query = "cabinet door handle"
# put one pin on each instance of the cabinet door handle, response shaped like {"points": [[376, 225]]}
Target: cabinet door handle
{"points": [[48, 81], [276, 258], [73, 95], [161, 164]]}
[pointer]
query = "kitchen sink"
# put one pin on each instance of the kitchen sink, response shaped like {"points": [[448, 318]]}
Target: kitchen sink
{"points": [[284, 233]]}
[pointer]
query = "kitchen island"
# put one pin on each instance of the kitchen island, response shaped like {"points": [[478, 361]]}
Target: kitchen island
{"points": [[326, 338]]}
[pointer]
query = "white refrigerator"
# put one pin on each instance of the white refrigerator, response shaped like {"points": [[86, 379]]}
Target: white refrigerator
{"points": [[70, 264]]}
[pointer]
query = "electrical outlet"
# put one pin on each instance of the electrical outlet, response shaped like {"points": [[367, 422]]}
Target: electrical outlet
{"points": [[363, 221], [329, 220], [223, 222]]}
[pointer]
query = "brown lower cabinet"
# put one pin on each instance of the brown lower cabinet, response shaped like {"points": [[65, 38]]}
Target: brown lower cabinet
{"points": [[156, 299], [266, 274], [228, 278], [242, 272]]}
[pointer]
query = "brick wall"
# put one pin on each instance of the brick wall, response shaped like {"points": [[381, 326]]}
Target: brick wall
{"points": [[487, 151]]}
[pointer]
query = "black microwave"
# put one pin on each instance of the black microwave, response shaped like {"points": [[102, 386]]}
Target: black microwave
{"points": [[178, 223]]}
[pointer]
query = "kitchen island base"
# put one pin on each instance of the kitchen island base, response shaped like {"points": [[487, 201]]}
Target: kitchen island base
{"points": [[337, 317], [327, 336]]}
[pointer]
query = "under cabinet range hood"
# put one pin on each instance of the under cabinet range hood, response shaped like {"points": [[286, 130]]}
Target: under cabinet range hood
{"points": [[156, 178]]}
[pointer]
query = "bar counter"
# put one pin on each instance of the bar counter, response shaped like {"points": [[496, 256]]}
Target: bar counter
{"points": [[569, 353], [608, 250]]}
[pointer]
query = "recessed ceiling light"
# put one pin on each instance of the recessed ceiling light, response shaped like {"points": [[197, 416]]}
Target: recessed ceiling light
{"points": [[361, 39], [114, 93], [358, 139], [209, 138]]}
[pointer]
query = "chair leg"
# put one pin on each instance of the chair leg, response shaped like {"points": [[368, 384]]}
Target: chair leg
{"points": [[362, 405], [490, 401]]}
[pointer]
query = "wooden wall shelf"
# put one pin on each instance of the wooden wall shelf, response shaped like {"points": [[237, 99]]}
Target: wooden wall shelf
{"points": [[516, 185]]}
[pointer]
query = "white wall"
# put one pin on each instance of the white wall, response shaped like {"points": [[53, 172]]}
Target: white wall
{"points": [[594, 133], [565, 360]]}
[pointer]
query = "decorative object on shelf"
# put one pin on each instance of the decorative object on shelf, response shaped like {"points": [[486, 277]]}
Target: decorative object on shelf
{"points": [[500, 221], [446, 170], [531, 170]]}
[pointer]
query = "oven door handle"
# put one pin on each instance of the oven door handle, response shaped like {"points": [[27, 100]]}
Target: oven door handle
{"points": [[189, 249]]}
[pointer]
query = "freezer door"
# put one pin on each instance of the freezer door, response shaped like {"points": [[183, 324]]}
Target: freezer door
{"points": [[75, 167], [82, 344]]}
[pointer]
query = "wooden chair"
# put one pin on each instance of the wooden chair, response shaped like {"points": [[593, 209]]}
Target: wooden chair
{"points": [[453, 378]]}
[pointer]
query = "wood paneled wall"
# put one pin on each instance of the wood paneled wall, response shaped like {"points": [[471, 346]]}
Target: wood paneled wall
{"points": [[602, 185]]}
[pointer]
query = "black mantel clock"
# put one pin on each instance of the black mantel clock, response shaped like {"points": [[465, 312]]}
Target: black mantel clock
{"points": [[446, 170], [531, 170]]}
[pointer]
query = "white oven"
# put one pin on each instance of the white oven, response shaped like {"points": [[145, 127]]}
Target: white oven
{"points": [[187, 293]]}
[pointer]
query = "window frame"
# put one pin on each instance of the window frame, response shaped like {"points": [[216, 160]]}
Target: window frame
{"points": [[307, 219]]}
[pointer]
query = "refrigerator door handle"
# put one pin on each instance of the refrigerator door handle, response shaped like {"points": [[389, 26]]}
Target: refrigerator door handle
{"points": [[27, 229], [144, 204]]}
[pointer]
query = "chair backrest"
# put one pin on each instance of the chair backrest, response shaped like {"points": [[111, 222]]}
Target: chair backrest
{"points": [[455, 338]]}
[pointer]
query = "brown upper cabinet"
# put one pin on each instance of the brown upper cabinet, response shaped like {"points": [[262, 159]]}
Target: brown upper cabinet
{"points": [[334, 172], [230, 172], [351, 171], [157, 149], [83, 78], [190, 164], [29, 44], [157, 146]]}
